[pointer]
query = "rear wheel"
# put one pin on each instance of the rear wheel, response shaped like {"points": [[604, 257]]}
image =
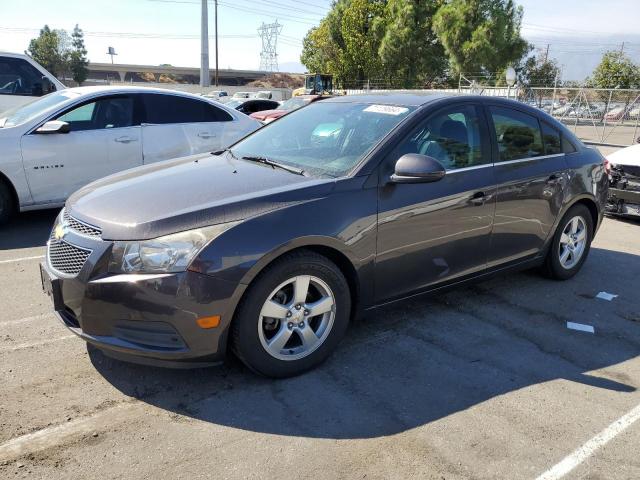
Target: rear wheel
{"points": [[571, 244], [293, 315], [6, 203]]}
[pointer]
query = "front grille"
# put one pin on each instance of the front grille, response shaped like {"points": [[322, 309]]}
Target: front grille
{"points": [[80, 227], [67, 258]]}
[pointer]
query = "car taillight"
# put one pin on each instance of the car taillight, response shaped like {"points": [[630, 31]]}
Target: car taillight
{"points": [[607, 166]]}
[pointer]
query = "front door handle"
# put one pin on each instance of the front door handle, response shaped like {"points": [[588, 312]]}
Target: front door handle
{"points": [[125, 139], [478, 198], [206, 135]]}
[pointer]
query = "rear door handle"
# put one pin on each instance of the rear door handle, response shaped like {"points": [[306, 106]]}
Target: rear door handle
{"points": [[125, 139], [478, 198], [206, 135]]}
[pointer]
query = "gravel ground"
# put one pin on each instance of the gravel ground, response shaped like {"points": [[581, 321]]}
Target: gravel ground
{"points": [[480, 382]]}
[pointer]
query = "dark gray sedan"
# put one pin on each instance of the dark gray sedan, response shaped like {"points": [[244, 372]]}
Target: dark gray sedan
{"points": [[271, 247]]}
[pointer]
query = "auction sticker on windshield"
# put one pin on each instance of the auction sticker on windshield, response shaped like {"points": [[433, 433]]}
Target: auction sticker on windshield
{"points": [[387, 109]]}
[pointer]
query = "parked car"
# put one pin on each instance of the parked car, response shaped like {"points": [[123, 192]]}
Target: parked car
{"points": [[271, 247], [624, 173], [616, 113], [64, 140], [293, 103], [252, 105], [242, 95], [22, 80], [216, 94]]}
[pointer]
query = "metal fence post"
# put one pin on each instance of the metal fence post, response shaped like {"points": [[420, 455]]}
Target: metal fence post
{"points": [[604, 125]]}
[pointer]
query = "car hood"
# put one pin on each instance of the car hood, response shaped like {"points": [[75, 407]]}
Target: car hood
{"points": [[626, 156], [186, 193], [264, 114]]}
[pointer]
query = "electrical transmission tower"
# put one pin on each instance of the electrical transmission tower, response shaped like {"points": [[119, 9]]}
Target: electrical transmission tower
{"points": [[269, 56]]}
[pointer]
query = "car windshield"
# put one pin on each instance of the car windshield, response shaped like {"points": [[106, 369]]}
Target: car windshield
{"points": [[325, 138], [25, 112], [234, 103], [294, 103]]}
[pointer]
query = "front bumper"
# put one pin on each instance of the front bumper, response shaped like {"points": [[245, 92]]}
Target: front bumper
{"points": [[623, 202], [148, 319]]}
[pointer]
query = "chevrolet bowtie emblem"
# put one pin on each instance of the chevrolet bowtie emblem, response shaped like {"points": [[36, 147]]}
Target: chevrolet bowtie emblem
{"points": [[59, 231]]}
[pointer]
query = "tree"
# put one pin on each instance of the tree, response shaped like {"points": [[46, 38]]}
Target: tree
{"points": [[480, 37], [46, 51], [538, 71], [346, 42], [410, 50], [78, 56], [615, 70]]}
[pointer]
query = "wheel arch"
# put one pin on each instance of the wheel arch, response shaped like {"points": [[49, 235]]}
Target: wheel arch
{"points": [[4, 179]]}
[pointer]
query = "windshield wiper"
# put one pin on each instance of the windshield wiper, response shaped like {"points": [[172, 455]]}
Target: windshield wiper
{"points": [[274, 164]]}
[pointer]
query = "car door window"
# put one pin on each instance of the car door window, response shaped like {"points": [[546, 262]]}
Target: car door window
{"points": [[452, 136], [19, 77], [517, 134], [114, 112], [551, 138], [164, 109]]}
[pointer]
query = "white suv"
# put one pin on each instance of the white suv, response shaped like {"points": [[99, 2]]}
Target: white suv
{"points": [[22, 79]]}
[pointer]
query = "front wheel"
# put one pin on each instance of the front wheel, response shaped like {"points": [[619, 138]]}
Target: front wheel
{"points": [[571, 243], [293, 315], [6, 203]]}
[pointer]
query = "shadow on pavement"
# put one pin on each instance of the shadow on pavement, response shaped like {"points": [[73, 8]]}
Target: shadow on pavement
{"points": [[418, 361], [28, 229]]}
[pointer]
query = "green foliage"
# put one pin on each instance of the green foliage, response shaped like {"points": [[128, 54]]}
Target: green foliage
{"points": [[615, 70], [408, 43], [409, 49], [78, 57], [59, 53], [538, 71], [480, 36], [46, 51]]}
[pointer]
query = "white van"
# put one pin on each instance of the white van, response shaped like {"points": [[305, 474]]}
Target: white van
{"points": [[22, 80]]}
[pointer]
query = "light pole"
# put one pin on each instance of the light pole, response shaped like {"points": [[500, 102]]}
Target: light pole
{"points": [[204, 47]]}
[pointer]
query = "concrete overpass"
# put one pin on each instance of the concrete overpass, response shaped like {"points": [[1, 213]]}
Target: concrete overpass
{"points": [[126, 73]]}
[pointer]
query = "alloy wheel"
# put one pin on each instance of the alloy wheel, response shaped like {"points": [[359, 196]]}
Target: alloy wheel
{"points": [[296, 318], [572, 242]]}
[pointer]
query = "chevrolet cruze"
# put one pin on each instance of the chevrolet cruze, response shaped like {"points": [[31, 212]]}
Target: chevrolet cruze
{"points": [[269, 248]]}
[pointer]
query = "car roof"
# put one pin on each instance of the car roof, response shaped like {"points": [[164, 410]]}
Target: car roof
{"points": [[130, 89], [391, 98]]}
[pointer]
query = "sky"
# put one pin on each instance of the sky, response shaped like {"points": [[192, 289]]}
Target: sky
{"points": [[154, 32]]}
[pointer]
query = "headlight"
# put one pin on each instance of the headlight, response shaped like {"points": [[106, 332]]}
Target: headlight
{"points": [[172, 253]]}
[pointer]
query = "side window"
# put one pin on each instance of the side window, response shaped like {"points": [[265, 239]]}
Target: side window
{"points": [[19, 77], [163, 109], [114, 112], [451, 136], [551, 138], [567, 146], [518, 134]]}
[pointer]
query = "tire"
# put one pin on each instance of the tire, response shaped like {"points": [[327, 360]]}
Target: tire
{"points": [[6, 203], [554, 266], [257, 339]]}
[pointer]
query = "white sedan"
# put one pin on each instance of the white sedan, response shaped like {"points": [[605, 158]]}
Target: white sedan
{"points": [[53, 146]]}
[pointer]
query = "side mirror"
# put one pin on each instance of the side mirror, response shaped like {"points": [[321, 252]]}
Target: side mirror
{"points": [[46, 85], [54, 126], [416, 168]]}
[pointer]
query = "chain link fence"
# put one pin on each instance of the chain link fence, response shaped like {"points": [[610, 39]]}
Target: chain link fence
{"points": [[597, 116]]}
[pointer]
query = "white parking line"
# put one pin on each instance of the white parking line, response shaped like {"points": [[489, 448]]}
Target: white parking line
{"points": [[22, 259], [57, 434], [585, 451], [25, 319], [22, 346]]}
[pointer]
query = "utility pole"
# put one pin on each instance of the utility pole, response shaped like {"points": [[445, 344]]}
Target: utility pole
{"points": [[216, 27], [546, 55], [622, 48], [204, 47]]}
